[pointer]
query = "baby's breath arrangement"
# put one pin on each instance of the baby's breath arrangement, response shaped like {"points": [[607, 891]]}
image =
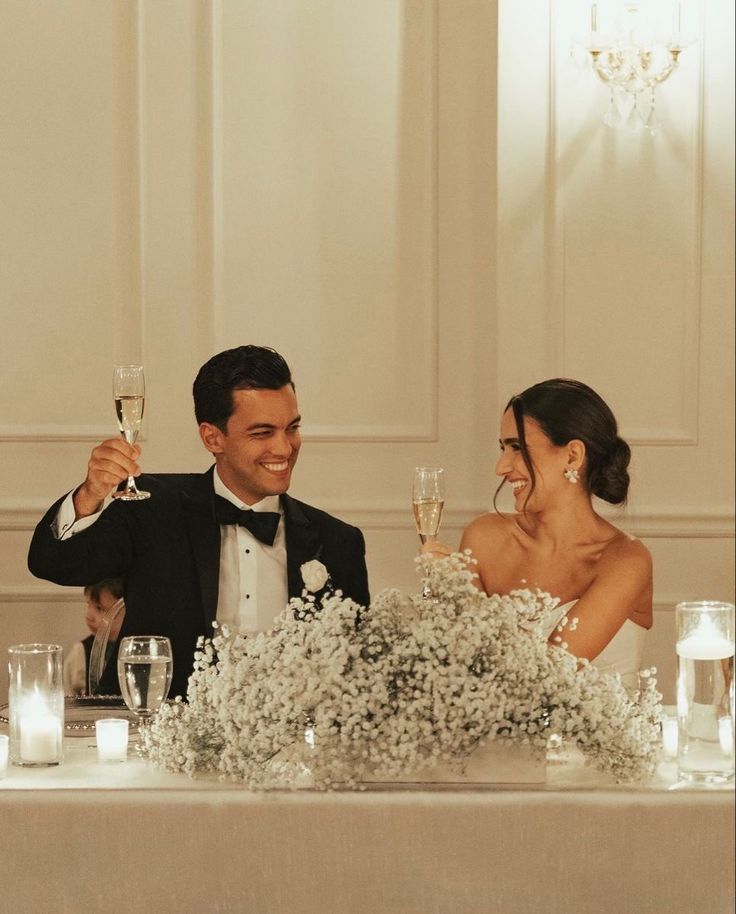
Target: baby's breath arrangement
{"points": [[335, 692]]}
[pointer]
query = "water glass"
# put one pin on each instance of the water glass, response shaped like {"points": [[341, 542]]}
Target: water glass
{"points": [[145, 668]]}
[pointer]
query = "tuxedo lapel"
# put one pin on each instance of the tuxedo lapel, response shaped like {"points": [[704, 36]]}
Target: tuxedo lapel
{"points": [[303, 543], [204, 536]]}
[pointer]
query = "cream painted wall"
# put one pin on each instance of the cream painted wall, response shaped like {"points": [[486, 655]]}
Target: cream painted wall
{"points": [[615, 265], [416, 201]]}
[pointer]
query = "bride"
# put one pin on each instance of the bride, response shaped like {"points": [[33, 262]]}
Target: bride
{"points": [[559, 447]]}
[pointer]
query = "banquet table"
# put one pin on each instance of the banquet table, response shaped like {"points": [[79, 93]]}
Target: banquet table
{"points": [[87, 837]]}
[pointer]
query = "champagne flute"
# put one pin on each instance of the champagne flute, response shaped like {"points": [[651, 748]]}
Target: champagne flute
{"points": [[129, 391], [145, 668], [428, 500]]}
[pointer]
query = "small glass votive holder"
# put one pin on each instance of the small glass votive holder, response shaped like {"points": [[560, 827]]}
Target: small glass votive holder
{"points": [[4, 752], [111, 735], [670, 731]]}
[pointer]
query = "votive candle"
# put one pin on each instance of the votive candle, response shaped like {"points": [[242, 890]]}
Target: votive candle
{"points": [[112, 739], [4, 747], [725, 735], [670, 736], [40, 738]]}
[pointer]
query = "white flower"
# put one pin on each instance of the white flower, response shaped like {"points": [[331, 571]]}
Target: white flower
{"points": [[314, 575]]}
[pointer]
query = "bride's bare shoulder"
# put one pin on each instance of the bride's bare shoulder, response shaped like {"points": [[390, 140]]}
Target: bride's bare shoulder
{"points": [[488, 531], [624, 550]]}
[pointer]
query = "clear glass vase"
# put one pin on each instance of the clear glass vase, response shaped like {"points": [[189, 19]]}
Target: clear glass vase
{"points": [[36, 704], [705, 691]]}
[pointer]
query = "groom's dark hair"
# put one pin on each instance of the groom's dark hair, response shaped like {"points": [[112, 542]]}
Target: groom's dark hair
{"points": [[243, 368]]}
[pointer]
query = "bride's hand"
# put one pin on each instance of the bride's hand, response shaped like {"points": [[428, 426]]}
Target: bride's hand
{"points": [[435, 549]]}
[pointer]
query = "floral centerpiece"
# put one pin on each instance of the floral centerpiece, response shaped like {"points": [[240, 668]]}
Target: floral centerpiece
{"points": [[339, 692]]}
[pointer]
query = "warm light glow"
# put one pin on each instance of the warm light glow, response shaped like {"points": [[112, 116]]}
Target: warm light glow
{"points": [[706, 642], [33, 704], [40, 729], [40, 738]]}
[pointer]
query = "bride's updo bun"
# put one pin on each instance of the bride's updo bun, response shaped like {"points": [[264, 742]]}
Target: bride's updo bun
{"points": [[567, 410], [609, 479]]}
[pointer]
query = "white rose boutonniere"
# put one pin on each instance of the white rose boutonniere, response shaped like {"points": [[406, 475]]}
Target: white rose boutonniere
{"points": [[314, 575]]}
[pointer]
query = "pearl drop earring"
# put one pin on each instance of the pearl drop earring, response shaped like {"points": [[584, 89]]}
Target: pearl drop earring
{"points": [[572, 475]]}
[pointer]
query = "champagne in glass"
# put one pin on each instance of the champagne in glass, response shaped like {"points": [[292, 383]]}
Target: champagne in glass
{"points": [[129, 391], [428, 500], [145, 667]]}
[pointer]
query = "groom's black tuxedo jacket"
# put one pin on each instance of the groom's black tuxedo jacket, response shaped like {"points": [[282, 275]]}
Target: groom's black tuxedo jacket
{"points": [[167, 550]]}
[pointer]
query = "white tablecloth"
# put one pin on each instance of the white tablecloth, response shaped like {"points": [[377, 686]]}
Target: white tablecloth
{"points": [[86, 837]]}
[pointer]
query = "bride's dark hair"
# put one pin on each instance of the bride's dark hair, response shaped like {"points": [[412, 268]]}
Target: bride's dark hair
{"points": [[566, 410]]}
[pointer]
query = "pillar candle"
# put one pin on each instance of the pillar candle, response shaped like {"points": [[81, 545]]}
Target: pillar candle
{"points": [[40, 738]]}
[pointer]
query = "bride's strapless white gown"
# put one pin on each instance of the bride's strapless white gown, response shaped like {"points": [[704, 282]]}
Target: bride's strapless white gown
{"points": [[623, 652]]}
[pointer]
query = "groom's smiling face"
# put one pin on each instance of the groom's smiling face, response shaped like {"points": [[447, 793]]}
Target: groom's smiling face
{"points": [[259, 447]]}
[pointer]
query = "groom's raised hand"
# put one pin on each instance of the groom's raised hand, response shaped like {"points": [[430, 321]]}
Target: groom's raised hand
{"points": [[109, 464]]}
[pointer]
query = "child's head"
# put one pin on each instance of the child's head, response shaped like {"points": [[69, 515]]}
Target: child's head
{"points": [[100, 597]]}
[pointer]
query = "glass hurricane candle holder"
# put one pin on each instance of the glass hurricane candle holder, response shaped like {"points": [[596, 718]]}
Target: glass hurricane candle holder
{"points": [[36, 704], [705, 691], [4, 751]]}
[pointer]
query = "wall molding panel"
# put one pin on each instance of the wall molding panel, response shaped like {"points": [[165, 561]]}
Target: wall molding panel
{"points": [[90, 271], [566, 141], [417, 202], [40, 433], [40, 594], [646, 524], [687, 356], [395, 314]]}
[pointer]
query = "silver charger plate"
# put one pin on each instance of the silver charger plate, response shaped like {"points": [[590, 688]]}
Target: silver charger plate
{"points": [[81, 712]]}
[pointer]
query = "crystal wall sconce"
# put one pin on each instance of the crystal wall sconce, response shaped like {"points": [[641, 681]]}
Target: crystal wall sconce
{"points": [[633, 55]]}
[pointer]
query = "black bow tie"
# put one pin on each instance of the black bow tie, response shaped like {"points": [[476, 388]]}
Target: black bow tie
{"points": [[262, 524]]}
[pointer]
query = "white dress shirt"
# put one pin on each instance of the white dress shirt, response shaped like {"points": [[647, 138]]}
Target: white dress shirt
{"points": [[65, 525], [253, 586]]}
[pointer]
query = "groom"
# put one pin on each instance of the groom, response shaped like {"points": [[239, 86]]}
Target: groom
{"points": [[224, 545]]}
